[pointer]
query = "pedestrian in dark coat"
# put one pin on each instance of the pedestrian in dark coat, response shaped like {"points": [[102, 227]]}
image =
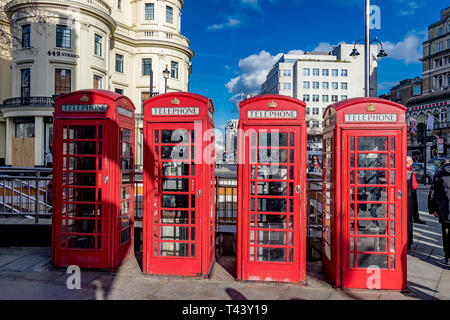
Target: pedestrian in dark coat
{"points": [[412, 198], [439, 205]]}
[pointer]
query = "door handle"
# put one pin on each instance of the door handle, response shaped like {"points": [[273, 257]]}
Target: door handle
{"points": [[199, 193], [399, 194], [106, 179], [298, 188]]}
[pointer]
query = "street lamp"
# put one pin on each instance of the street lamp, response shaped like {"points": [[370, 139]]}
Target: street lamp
{"points": [[166, 74], [382, 54]]}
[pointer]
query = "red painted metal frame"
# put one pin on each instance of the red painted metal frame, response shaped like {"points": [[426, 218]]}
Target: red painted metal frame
{"points": [[112, 253], [294, 272], [335, 128], [203, 124]]}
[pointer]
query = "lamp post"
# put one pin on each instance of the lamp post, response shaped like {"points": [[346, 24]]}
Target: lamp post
{"points": [[166, 74], [367, 42]]}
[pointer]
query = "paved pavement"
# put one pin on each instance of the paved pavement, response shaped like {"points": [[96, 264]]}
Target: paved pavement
{"points": [[26, 273]]}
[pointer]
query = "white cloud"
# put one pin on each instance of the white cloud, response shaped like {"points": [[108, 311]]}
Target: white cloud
{"points": [[409, 49], [253, 71], [230, 23]]}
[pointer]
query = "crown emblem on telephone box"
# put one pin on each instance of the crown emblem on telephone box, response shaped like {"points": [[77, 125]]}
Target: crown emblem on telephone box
{"points": [[175, 101], [272, 104], [371, 108], [84, 98]]}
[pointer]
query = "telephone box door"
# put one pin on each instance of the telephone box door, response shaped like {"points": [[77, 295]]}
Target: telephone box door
{"points": [[85, 188], [372, 197], [176, 218], [271, 214]]}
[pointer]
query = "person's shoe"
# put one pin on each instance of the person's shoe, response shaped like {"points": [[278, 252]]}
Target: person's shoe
{"points": [[419, 221]]}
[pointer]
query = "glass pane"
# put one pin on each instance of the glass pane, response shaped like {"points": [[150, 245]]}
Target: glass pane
{"points": [[272, 155], [272, 238], [272, 139], [175, 169], [125, 221], [83, 132], [372, 177], [83, 147], [372, 227], [372, 244], [271, 254], [352, 144], [173, 249], [368, 210], [272, 205], [372, 194], [82, 163], [192, 249], [352, 177], [272, 172], [372, 160], [126, 149], [372, 143], [392, 244], [273, 221], [82, 195], [392, 160], [174, 233], [175, 201], [175, 136], [372, 260], [181, 185], [392, 143], [392, 211], [82, 179], [125, 236], [80, 242], [175, 217], [156, 136], [272, 188], [81, 226], [291, 139], [352, 160], [175, 153]]}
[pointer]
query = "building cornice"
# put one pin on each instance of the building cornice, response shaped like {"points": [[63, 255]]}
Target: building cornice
{"points": [[154, 43], [85, 8]]}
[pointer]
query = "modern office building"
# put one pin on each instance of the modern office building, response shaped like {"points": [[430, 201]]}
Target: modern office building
{"points": [[66, 45], [321, 78]]}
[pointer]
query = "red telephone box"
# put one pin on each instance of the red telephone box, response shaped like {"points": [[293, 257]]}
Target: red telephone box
{"points": [[93, 170], [272, 190], [179, 181], [364, 194]]}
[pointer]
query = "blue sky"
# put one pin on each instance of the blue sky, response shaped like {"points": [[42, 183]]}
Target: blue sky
{"points": [[236, 41]]}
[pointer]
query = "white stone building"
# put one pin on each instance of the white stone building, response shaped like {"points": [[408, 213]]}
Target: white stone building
{"points": [[321, 78], [68, 45]]}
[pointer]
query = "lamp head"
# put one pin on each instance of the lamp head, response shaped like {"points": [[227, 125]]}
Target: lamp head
{"points": [[166, 73], [382, 54], [355, 53]]}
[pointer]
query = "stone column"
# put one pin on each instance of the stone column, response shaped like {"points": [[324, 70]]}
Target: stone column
{"points": [[9, 135], [39, 142]]}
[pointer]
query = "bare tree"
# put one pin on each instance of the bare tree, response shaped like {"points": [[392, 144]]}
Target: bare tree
{"points": [[10, 35]]}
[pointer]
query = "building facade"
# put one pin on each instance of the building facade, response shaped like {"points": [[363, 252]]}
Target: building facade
{"points": [[434, 103], [231, 143], [436, 55], [404, 91], [320, 79], [5, 72], [63, 45]]}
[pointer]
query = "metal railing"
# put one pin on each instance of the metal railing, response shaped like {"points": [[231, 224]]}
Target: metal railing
{"points": [[26, 191], [28, 101]]}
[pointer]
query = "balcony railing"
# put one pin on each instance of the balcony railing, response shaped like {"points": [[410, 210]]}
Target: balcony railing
{"points": [[28, 102], [441, 125]]}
